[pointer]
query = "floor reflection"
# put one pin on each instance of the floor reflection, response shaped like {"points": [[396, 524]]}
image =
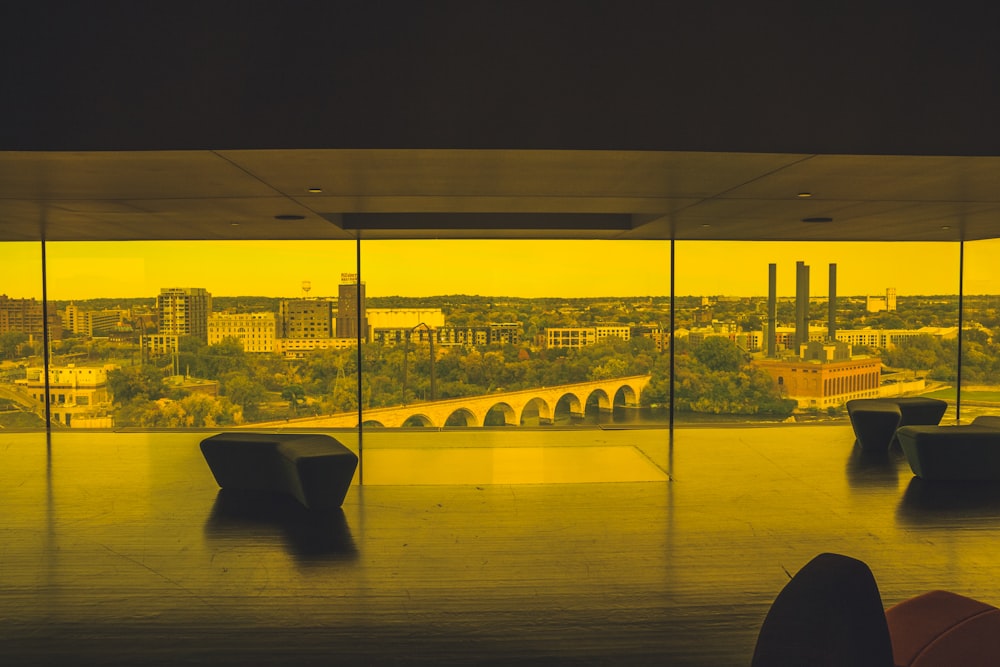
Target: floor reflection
{"points": [[867, 468], [259, 518], [512, 465], [943, 503]]}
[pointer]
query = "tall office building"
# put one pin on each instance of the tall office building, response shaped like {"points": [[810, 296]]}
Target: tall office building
{"points": [[305, 319], [184, 311], [27, 316], [351, 317]]}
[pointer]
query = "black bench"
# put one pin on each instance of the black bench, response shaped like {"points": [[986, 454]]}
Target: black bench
{"points": [[313, 467], [970, 452], [875, 420]]}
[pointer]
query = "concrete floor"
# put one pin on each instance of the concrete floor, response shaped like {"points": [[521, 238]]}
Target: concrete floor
{"points": [[119, 548]]}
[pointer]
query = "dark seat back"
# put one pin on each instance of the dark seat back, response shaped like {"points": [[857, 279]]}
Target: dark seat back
{"points": [[829, 615]]}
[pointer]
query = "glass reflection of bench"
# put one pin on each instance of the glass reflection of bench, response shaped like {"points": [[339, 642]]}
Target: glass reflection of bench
{"points": [[312, 467], [876, 420]]}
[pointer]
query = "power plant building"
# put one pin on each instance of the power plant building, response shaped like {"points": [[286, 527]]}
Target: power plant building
{"points": [[824, 384]]}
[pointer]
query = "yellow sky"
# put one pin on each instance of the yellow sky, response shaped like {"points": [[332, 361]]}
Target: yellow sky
{"points": [[80, 270]]}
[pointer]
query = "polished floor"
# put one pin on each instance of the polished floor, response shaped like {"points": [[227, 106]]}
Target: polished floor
{"points": [[119, 549]]}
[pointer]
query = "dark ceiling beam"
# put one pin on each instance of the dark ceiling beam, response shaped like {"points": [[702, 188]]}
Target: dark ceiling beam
{"points": [[802, 77]]}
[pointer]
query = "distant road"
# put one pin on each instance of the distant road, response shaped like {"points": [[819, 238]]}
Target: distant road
{"points": [[7, 392]]}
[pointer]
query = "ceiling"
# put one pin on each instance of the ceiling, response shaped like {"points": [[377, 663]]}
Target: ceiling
{"points": [[431, 193]]}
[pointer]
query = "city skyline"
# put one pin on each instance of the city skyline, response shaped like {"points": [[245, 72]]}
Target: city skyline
{"points": [[523, 268]]}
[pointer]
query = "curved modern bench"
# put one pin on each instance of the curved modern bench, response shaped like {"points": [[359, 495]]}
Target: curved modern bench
{"points": [[970, 452], [314, 468], [875, 420]]}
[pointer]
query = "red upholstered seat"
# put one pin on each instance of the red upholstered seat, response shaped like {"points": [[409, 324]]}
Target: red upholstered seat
{"points": [[942, 629], [830, 614]]}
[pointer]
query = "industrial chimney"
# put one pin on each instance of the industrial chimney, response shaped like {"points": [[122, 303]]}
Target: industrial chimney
{"points": [[801, 305], [831, 324], [772, 310]]}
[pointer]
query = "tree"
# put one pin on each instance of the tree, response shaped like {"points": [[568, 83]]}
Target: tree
{"points": [[719, 354], [295, 395], [11, 343], [614, 367], [244, 392], [135, 382]]}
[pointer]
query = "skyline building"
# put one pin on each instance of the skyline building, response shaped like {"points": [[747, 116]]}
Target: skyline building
{"points": [[184, 311], [255, 331], [27, 316], [305, 319], [881, 303], [352, 321]]}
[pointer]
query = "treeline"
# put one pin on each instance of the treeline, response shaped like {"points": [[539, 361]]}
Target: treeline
{"points": [[714, 377], [939, 358]]}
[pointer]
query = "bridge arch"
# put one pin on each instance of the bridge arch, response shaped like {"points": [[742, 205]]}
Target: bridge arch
{"points": [[568, 406], [461, 417], [500, 414], [627, 395], [417, 420], [598, 399], [539, 406], [372, 423]]}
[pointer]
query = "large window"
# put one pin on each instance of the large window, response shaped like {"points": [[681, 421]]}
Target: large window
{"points": [[776, 332], [195, 334], [981, 327], [513, 340], [22, 337]]}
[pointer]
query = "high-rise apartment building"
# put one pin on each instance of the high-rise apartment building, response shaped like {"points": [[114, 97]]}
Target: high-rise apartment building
{"points": [[184, 311], [305, 319], [351, 316], [27, 316]]}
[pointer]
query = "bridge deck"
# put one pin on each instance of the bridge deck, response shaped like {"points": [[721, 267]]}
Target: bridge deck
{"points": [[119, 549]]}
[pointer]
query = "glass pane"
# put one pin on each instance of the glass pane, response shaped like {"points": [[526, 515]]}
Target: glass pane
{"points": [[980, 324], [200, 334], [750, 352], [494, 346], [22, 402]]}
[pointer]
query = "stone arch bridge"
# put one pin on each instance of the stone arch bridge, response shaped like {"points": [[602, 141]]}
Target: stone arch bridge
{"points": [[510, 406]]}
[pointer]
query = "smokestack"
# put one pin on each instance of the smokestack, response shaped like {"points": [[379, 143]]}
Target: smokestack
{"points": [[801, 305], [772, 309], [831, 324]]}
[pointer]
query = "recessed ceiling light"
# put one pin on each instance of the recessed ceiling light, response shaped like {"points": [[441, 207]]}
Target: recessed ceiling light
{"points": [[289, 216], [817, 219], [804, 195], [234, 224], [706, 226], [315, 191], [945, 226]]}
